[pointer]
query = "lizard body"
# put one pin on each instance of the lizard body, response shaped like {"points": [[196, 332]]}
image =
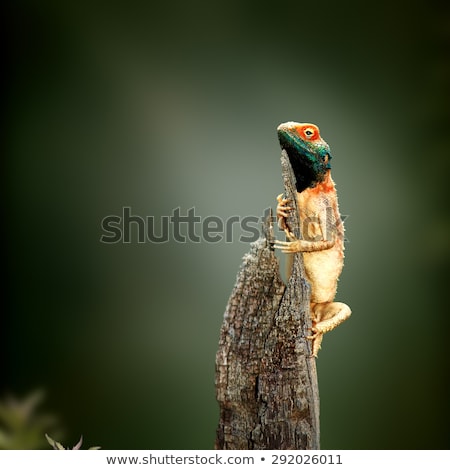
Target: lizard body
{"points": [[322, 242]]}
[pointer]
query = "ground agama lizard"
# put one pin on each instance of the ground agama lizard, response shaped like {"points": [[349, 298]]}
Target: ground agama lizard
{"points": [[322, 242]]}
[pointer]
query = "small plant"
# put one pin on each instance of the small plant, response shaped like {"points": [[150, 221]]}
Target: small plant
{"points": [[58, 446], [22, 424]]}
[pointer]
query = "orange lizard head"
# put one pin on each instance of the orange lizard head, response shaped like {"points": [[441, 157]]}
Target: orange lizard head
{"points": [[308, 153]]}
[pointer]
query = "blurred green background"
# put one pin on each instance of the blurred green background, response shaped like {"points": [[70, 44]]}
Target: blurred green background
{"points": [[155, 106]]}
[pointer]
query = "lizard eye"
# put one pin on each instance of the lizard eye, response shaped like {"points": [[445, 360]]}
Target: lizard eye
{"points": [[309, 132]]}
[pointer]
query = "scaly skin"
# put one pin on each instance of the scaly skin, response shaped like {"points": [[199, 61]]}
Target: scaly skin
{"points": [[322, 242]]}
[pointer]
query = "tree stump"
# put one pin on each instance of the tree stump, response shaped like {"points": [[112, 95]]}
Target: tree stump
{"points": [[266, 378]]}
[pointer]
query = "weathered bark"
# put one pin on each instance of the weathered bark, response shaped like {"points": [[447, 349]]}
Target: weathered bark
{"points": [[266, 379]]}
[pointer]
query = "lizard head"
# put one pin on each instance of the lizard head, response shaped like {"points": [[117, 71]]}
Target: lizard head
{"points": [[308, 153]]}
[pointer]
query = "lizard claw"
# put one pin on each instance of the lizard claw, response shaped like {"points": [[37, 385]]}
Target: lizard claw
{"points": [[313, 336], [281, 199], [287, 247], [290, 236], [316, 339], [283, 210], [291, 246], [282, 203]]}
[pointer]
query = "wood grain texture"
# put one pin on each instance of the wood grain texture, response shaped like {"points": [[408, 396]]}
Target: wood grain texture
{"points": [[266, 379]]}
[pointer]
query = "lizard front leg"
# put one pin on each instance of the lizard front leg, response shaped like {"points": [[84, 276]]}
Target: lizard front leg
{"points": [[317, 225], [325, 317], [296, 246]]}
